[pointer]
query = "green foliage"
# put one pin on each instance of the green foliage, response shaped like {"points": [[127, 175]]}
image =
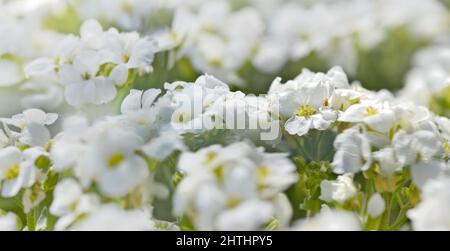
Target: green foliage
{"points": [[385, 66], [66, 21], [195, 141], [258, 83], [164, 172], [304, 195], [440, 102], [315, 146]]}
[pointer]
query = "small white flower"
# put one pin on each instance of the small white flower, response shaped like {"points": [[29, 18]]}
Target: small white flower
{"points": [[387, 161], [376, 205], [83, 86], [415, 147], [306, 100], [330, 220], [10, 73], [33, 126], [310, 113], [353, 152], [14, 172], [128, 51], [69, 144], [139, 106], [377, 116], [338, 190], [418, 150], [431, 214], [162, 146], [111, 217], [32, 116], [110, 160], [9, 222], [248, 216], [69, 202], [31, 198]]}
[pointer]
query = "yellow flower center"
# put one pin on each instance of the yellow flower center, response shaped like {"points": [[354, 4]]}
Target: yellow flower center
{"points": [[263, 171], [12, 172], [233, 202], [305, 111], [216, 62], [115, 160], [56, 60], [446, 146], [125, 58], [35, 192], [173, 36], [303, 36], [370, 111], [218, 172], [210, 156], [86, 76], [183, 117], [73, 206]]}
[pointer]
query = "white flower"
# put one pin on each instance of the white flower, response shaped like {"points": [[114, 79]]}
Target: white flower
{"points": [[330, 220], [10, 73], [189, 102], [14, 172], [423, 171], [42, 92], [376, 205], [248, 216], [353, 152], [418, 146], [139, 106], [9, 222], [128, 15], [309, 112], [444, 125], [32, 123], [32, 116], [233, 187], [31, 198], [91, 65], [377, 116], [69, 144], [338, 190], [83, 86], [418, 150], [431, 214], [387, 161], [162, 146], [411, 117], [110, 160], [69, 202], [306, 99], [271, 56], [127, 51], [66, 196], [111, 217]]}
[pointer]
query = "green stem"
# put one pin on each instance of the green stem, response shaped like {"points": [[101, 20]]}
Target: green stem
{"points": [[319, 144], [302, 149], [401, 218], [387, 214], [31, 220]]}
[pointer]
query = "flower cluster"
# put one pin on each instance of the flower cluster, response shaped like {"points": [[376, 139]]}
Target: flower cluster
{"points": [[90, 67], [236, 187], [261, 32], [428, 81]]}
